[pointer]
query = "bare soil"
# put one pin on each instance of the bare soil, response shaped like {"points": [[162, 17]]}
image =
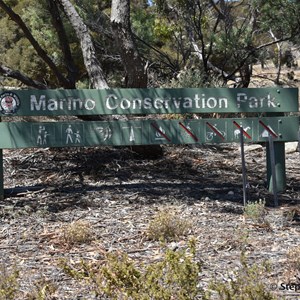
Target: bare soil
{"points": [[118, 192]]}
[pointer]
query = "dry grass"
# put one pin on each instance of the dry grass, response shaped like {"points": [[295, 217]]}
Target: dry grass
{"points": [[78, 232], [168, 225]]}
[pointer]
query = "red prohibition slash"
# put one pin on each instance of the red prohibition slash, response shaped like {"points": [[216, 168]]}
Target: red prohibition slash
{"points": [[244, 132], [271, 132], [160, 132], [215, 130], [189, 132]]}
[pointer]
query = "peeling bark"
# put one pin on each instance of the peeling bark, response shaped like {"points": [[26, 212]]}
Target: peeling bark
{"points": [[136, 76], [91, 62]]}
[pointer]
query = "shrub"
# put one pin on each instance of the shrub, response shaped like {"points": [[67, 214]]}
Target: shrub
{"points": [[8, 283], [255, 211], [77, 232], [249, 283], [168, 225], [176, 276], [293, 265], [44, 290]]}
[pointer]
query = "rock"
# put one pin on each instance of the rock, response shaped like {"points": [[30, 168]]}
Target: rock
{"points": [[291, 147]]}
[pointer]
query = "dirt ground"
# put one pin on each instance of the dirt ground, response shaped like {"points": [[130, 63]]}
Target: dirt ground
{"points": [[118, 193]]}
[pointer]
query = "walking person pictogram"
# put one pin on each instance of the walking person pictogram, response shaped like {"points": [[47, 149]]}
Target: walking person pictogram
{"points": [[77, 137], [45, 137], [69, 133], [41, 133]]}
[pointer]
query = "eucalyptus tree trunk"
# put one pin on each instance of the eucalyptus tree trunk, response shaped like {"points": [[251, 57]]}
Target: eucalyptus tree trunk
{"points": [[91, 62], [62, 36], [136, 76]]}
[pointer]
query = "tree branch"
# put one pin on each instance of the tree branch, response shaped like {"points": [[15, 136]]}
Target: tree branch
{"points": [[251, 52], [17, 19], [63, 41], [91, 62], [7, 72]]}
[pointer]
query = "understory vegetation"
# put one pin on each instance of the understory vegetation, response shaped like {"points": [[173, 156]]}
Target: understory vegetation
{"points": [[176, 273]]}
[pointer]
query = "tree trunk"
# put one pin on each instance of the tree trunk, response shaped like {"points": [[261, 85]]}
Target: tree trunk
{"points": [[63, 42], [91, 62], [136, 76]]}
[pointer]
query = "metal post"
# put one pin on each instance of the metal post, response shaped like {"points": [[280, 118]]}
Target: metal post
{"points": [[273, 179], [299, 140], [279, 163], [279, 167], [1, 176], [243, 166]]}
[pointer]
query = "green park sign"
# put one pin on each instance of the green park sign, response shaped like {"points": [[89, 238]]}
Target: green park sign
{"points": [[268, 105], [147, 101], [146, 132]]}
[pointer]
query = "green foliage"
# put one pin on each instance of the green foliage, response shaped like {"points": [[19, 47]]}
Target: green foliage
{"points": [[17, 52], [255, 211], [9, 285], [293, 258], [142, 22], [175, 276], [163, 30], [194, 77], [119, 277], [44, 290], [248, 283], [282, 16], [168, 225]]}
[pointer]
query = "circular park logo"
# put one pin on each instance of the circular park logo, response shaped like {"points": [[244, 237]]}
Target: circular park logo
{"points": [[9, 103]]}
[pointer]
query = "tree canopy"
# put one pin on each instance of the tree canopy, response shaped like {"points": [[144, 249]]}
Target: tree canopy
{"points": [[93, 43]]}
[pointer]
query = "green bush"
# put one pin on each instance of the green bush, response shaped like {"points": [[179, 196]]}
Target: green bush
{"points": [[248, 283], [9, 285], [175, 276], [256, 212]]}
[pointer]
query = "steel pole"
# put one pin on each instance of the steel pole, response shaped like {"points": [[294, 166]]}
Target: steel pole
{"points": [[278, 165], [1, 176], [273, 180], [243, 166]]}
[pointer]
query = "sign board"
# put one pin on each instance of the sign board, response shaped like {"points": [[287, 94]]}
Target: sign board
{"points": [[147, 101], [146, 132]]}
